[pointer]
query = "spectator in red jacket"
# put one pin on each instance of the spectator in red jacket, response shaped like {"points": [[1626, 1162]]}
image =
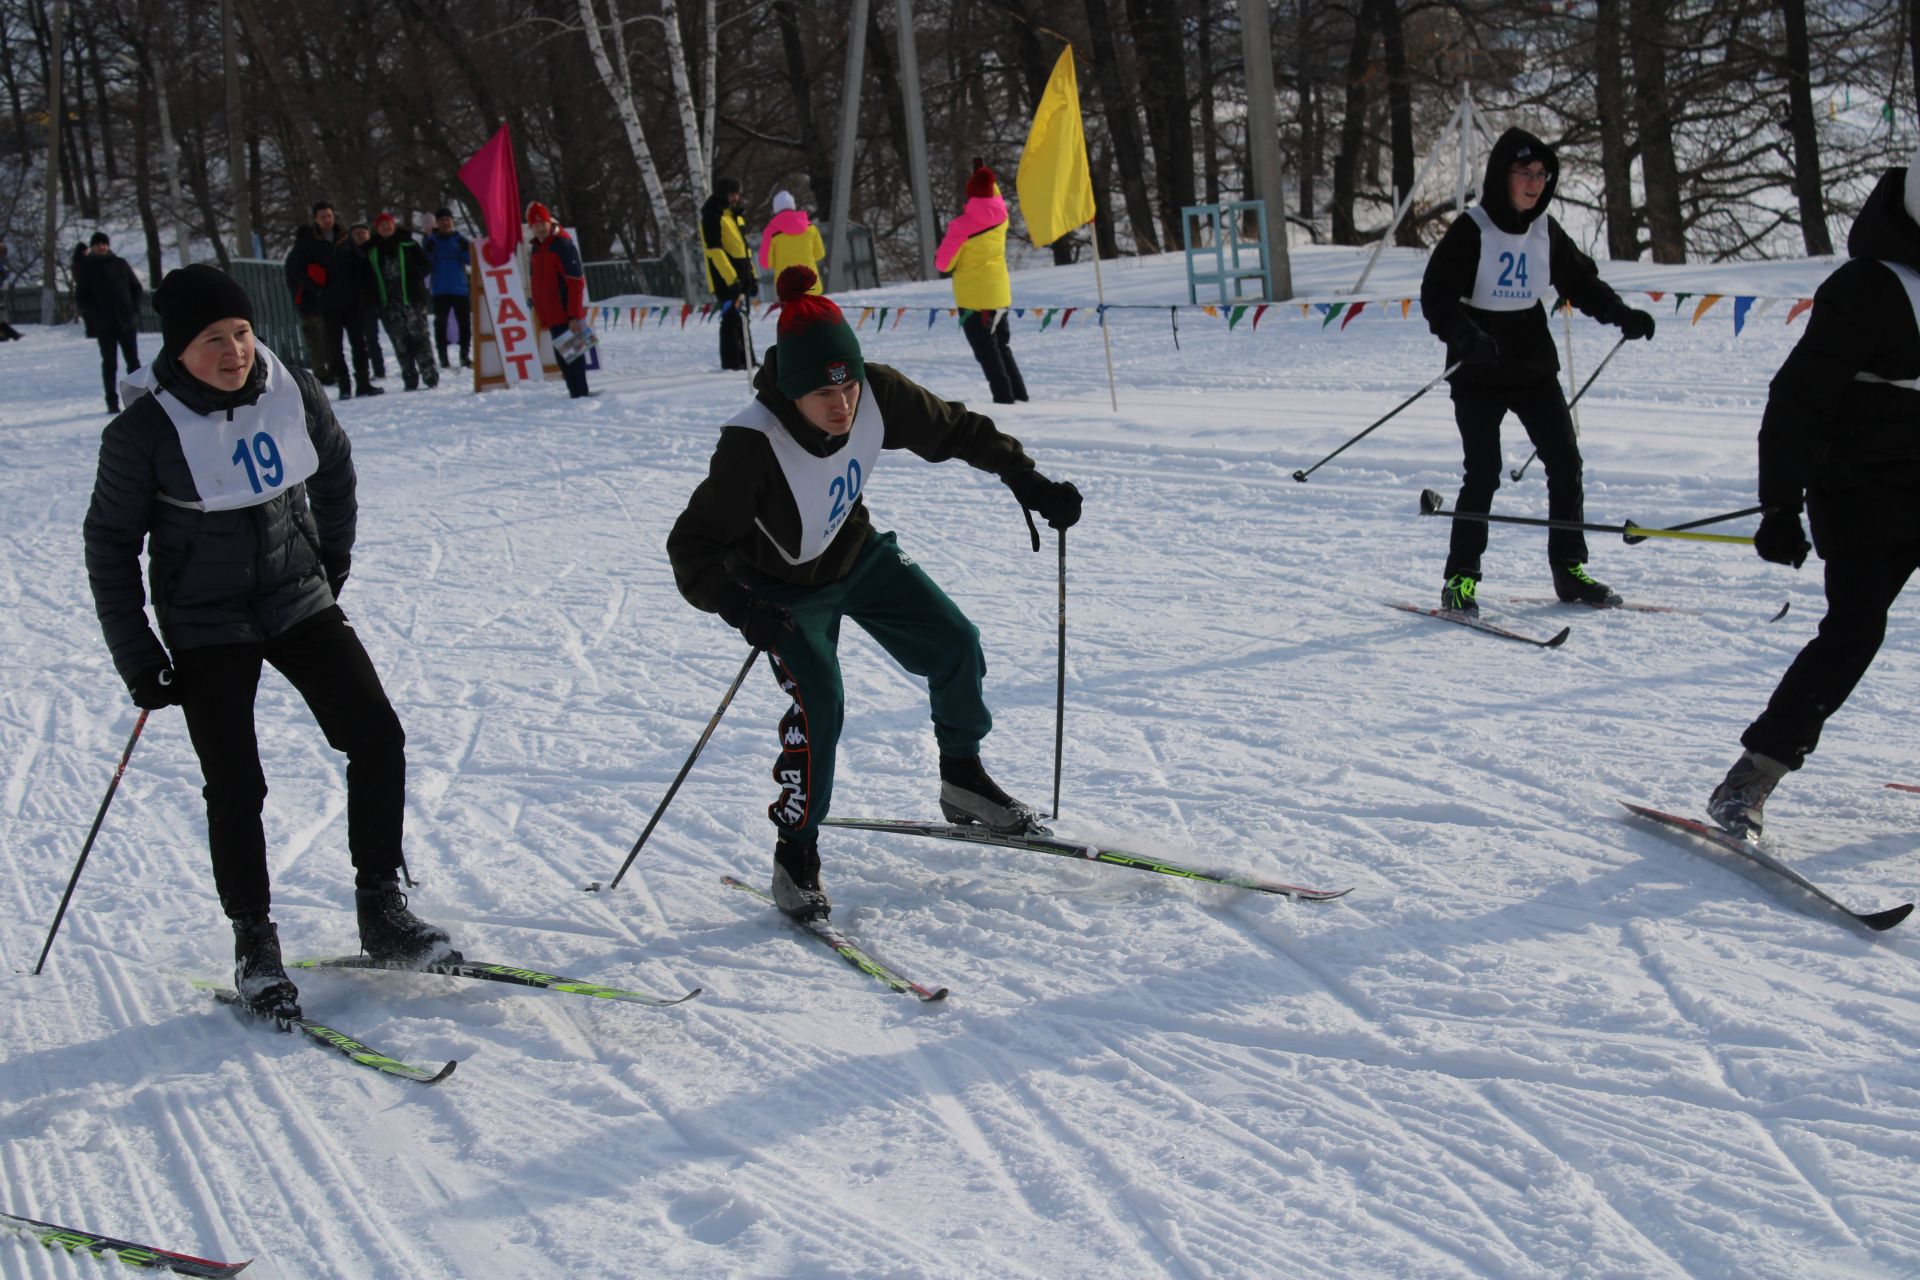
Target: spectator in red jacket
{"points": [[559, 289]]}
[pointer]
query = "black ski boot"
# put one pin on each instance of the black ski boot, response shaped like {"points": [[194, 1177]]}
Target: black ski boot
{"points": [[796, 880], [259, 976], [1574, 585], [388, 931], [1459, 594], [1737, 802], [968, 795]]}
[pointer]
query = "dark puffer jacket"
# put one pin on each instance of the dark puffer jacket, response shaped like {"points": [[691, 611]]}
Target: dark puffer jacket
{"points": [[1852, 447], [744, 505], [217, 577], [1527, 351]]}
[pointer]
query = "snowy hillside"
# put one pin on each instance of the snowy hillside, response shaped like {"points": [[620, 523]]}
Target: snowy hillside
{"points": [[1538, 1038]]}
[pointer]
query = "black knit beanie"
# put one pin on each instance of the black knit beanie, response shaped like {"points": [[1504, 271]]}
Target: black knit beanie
{"points": [[817, 346], [191, 298]]}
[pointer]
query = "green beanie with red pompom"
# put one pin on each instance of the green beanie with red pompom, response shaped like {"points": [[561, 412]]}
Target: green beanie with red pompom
{"points": [[817, 347]]}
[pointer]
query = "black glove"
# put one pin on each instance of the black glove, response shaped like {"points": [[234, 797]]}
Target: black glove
{"points": [[763, 623], [1635, 324], [1477, 346], [155, 688], [1780, 539], [1057, 501], [337, 568]]}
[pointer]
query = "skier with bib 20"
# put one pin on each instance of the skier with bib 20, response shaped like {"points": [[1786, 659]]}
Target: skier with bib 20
{"points": [[1841, 437], [236, 478], [1484, 294], [777, 541]]}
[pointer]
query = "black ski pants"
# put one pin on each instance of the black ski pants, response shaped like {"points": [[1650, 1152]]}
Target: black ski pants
{"points": [[1862, 584], [350, 325], [1542, 410], [733, 332], [113, 345], [990, 347], [574, 371], [324, 661], [444, 305]]}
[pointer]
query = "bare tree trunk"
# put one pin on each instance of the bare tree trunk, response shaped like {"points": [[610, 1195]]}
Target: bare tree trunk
{"points": [[1308, 99], [1161, 48], [813, 146], [699, 165], [1399, 112], [143, 183], [1806, 139], [1648, 35], [100, 109], [1616, 154], [619, 87], [1353, 125], [1209, 125], [1123, 131]]}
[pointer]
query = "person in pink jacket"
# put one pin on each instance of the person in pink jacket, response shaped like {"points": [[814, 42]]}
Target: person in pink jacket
{"points": [[791, 240], [975, 251]]}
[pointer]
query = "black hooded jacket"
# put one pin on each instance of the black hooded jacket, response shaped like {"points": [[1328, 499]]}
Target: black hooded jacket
{"points": [[217, 577], [1527, 351], [1851, 446]]}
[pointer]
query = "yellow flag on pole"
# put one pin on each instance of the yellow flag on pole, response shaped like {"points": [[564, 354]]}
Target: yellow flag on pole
{"points": [[1055, 185]]}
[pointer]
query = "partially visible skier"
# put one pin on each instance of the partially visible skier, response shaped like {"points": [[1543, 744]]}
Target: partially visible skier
{"points": [[1484, 294], [1841, 438], [777, 541], [975, 251], [791, 240]]}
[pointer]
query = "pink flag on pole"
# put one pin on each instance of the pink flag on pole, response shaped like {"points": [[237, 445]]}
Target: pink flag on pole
{"points": [[490, 175]]}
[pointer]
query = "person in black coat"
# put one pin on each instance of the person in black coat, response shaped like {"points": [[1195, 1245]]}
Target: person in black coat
{"points": [[108, 294], [1484, 294], [1840, 438], [322, 273], [235, 476]]}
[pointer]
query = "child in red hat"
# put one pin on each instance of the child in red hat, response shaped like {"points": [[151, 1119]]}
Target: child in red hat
{"points": [[777, 541]]}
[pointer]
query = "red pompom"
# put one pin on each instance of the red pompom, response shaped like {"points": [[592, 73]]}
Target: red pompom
{"points": [[794, 282]]}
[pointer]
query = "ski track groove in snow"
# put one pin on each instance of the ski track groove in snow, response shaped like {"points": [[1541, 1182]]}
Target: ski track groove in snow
{"points": [[1536, 1040]]}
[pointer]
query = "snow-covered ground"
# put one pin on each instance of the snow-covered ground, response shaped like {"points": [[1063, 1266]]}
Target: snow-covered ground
{"points": [[1537, 1039]]}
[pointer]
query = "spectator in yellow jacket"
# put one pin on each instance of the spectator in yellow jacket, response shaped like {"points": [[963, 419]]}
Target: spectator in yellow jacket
{"points": [[975, 251], [729, 270], [791, 240]]}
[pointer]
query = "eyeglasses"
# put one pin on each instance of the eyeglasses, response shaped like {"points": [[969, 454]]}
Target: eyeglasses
{"points": [[1529, 176]]}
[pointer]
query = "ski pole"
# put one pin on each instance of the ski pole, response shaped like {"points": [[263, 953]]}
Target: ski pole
{"points": [[1521, 470], [1060, 679], [746, 316], [87, 848], [1695, 524], [1432, 504], [1379, 422], [681, 777]]}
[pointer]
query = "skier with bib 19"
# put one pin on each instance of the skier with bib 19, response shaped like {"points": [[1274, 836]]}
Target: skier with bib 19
{"points": [[1484, 294], [777, 541], [235, 476], [1841, 437]]}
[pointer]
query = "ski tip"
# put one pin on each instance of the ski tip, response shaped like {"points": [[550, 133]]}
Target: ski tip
{"points": [[926, 996], [1558, 640], [1881, 921], [1783, 612], [443, 1073]]}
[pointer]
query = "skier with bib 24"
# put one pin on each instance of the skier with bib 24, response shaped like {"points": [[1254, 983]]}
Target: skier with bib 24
{"points": [[1484, 294], [778, 542]]}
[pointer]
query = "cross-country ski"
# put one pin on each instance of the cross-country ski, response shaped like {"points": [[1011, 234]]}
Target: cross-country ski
{"points": [[142, 1256], [489, 972]]}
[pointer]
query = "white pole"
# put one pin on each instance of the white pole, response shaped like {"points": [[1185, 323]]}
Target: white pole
{"points": [[56, 115], [1105, 338], [1400, 209], [173, 167], [839, 273]]}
